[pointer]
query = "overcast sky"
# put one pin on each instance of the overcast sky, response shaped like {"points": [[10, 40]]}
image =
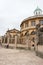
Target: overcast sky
{"points": [[12, 12]]}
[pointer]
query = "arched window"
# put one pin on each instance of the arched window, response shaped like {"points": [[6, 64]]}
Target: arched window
{"points": [[41, 29], [21, 34], [27, 33], [36, 13], [33, 32]]}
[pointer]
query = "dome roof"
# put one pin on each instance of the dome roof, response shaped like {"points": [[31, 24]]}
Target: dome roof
{"points": [[38, 9]]}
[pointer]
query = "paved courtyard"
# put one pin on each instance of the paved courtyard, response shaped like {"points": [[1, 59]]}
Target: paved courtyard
{"points": [[19, 57]]}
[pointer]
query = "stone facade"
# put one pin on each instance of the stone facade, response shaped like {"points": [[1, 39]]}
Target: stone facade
{"points": [[9, 37], [28, 26]]}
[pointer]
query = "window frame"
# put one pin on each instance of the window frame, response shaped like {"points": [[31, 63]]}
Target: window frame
{"points": [[33, 23], [41, 22]]}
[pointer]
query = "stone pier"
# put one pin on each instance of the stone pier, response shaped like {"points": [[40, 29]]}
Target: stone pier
{"points": [[15, 41]]}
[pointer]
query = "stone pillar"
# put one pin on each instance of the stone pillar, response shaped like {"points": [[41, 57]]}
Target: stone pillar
{"points": [[15, 41], [8, 40], [24, 25], [26, 44], [4, 39], [1, 39], [29, 23], [26, 41], [11, 40], [37, 21], [36, 44], [29, 41]]}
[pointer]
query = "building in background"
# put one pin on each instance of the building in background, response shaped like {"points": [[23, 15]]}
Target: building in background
{"points": [[10, 36]]}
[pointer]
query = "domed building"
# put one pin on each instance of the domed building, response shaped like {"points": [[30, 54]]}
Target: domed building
{"points": [[28, 25], [27, 31]]}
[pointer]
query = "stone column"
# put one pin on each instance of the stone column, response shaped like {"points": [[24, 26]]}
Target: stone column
{"points": [[29, 23], [15, 41], [26, 41], [24, 25], [1, 39], [29, 44], [11, 40], [8, 40], [4, 39], [36, 46], [37, 21]]}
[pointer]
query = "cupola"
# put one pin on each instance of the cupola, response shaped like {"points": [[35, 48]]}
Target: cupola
{"points": [[37, 11]]}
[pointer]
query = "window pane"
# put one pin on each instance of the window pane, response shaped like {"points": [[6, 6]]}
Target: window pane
{"points": [[41, 22], [33, 23]]}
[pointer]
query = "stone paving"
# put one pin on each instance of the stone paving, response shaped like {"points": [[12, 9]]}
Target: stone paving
{"points": [[19, 57]]}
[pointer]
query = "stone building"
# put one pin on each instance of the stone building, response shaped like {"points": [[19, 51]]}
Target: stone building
{"points": [[28, 25], [27, 29], [9, 36]]}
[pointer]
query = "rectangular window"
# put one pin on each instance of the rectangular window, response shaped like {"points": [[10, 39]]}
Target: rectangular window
{"points": [[26, 24], [41, 22], [33, 23]]}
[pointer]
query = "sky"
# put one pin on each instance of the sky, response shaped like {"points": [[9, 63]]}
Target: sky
{"points": [[13, 12]]}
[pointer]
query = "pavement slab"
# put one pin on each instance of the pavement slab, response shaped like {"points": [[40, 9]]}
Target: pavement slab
{"points": [[19, 57]]}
